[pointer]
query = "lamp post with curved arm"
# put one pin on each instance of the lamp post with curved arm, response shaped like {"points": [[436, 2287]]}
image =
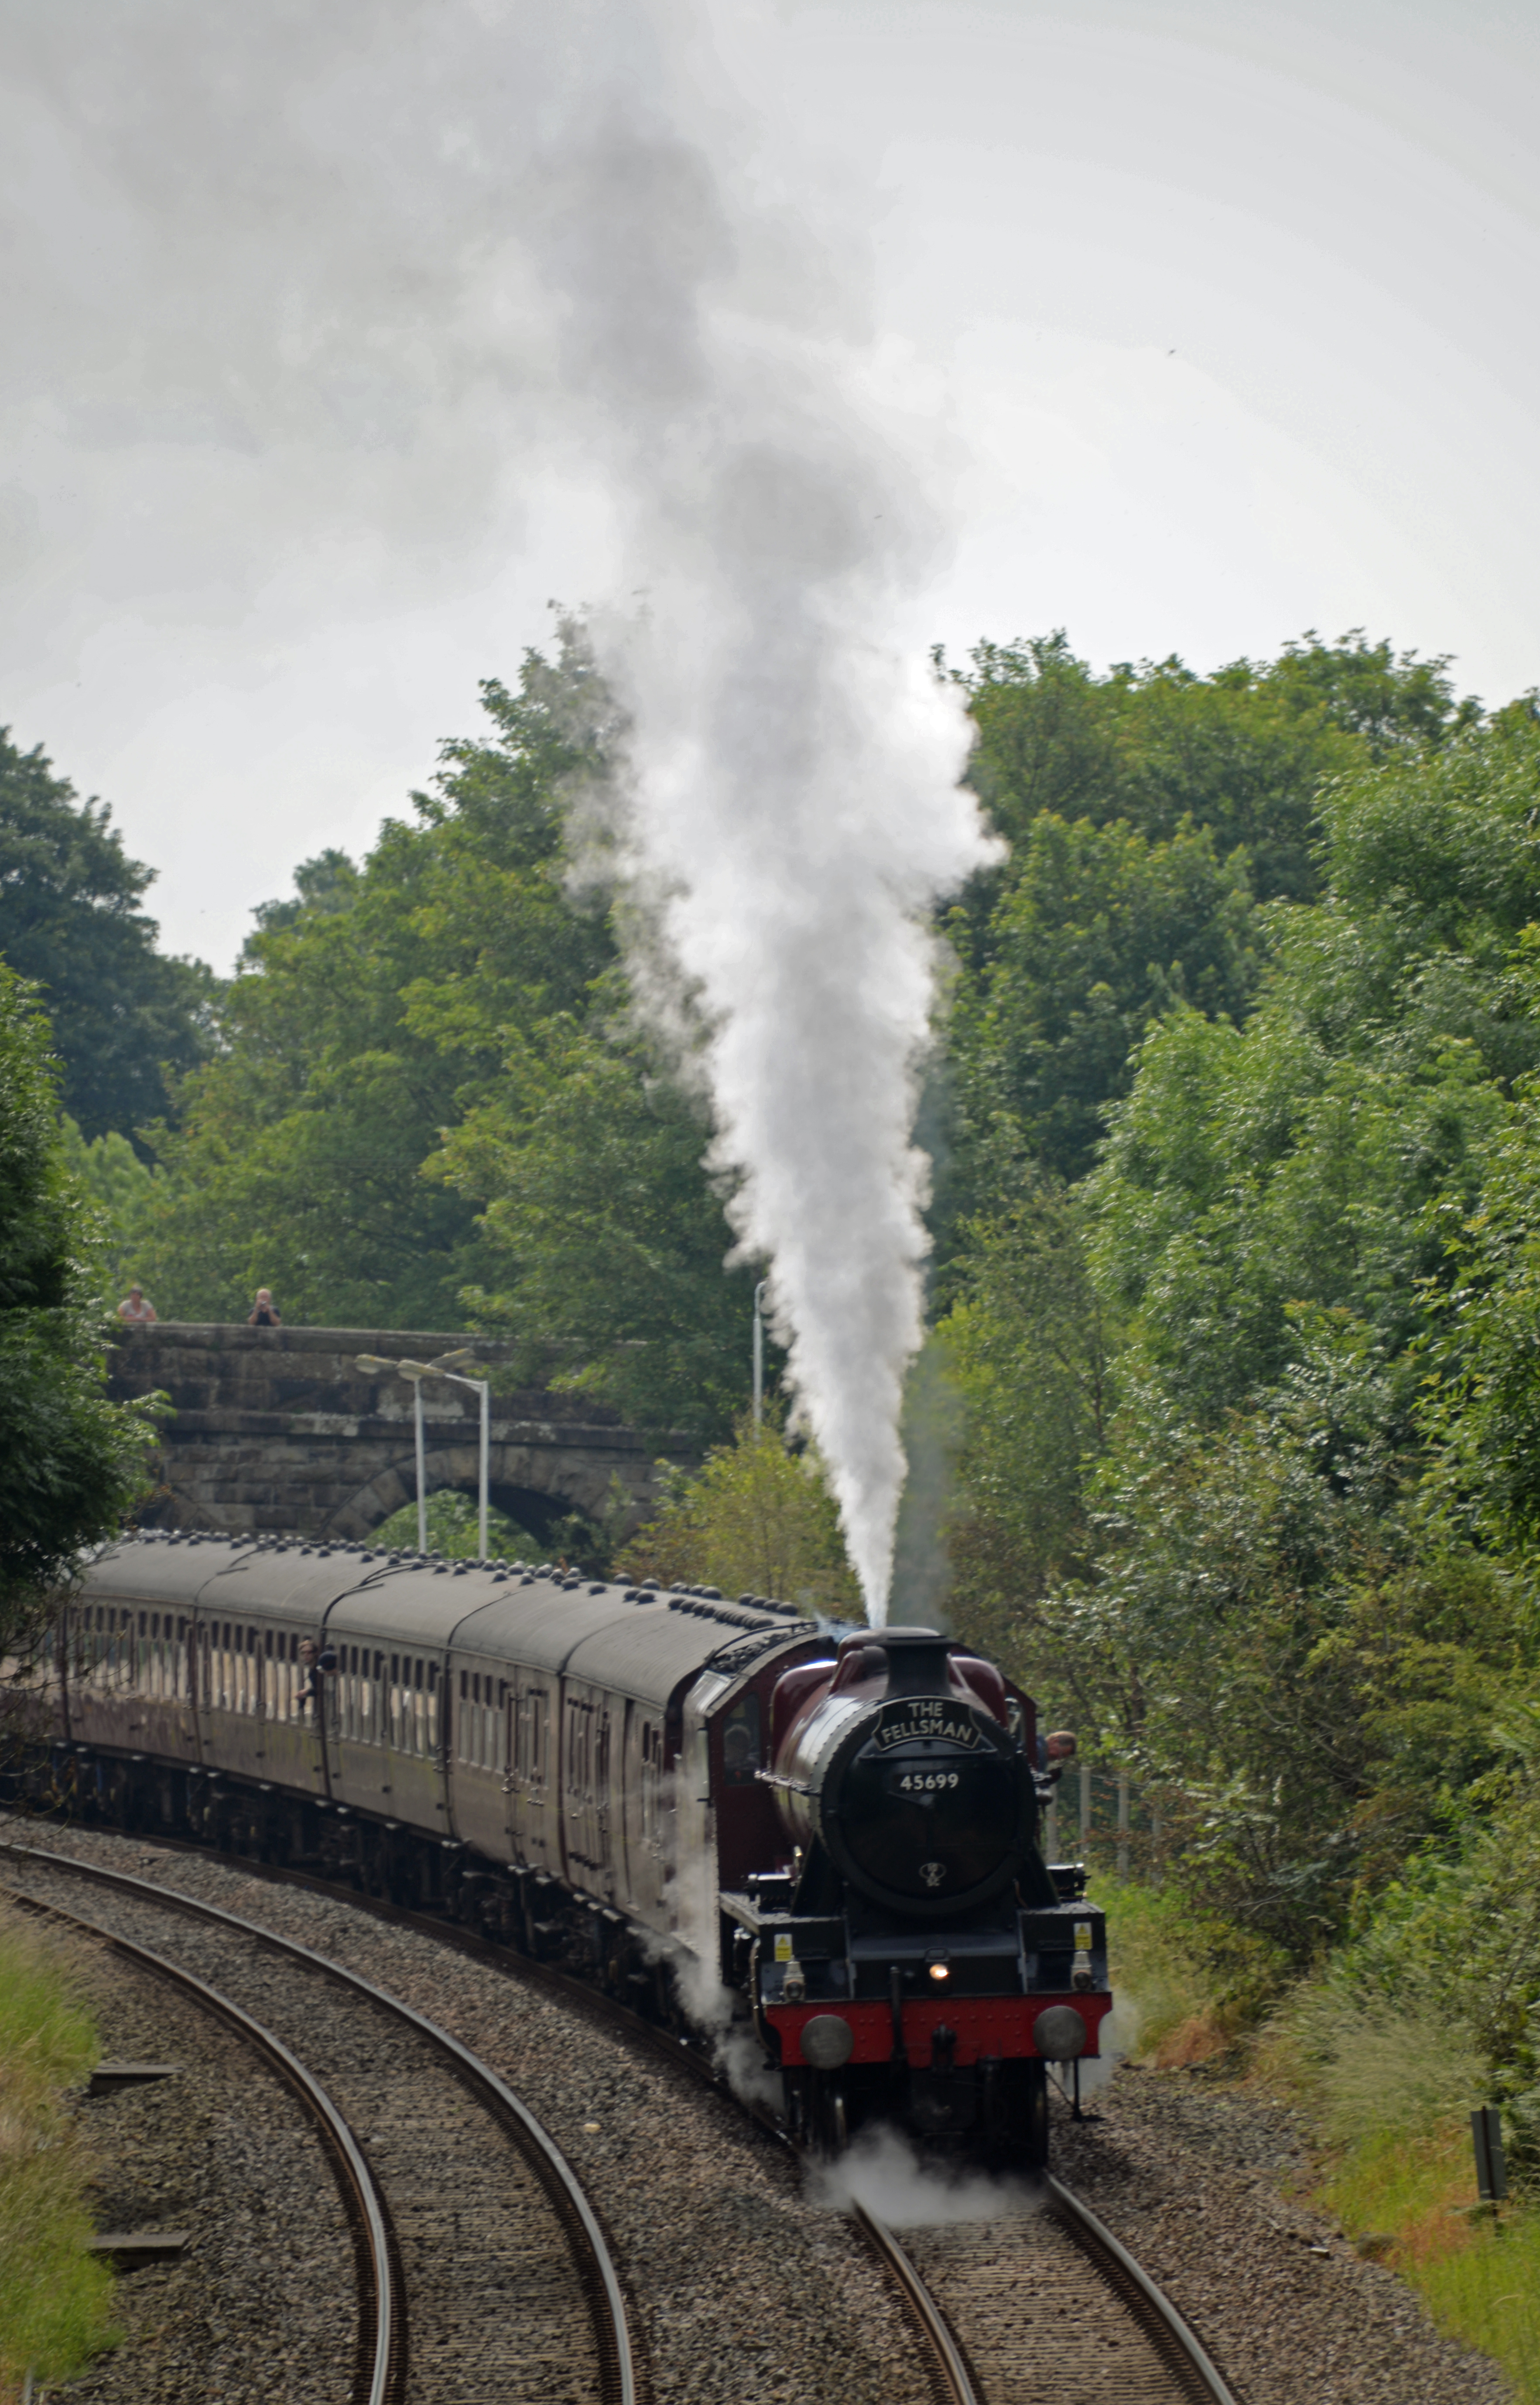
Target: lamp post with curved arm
{"points": [[453, 1367], [759, 1351]]}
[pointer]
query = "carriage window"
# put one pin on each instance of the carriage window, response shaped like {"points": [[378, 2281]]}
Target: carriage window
{"points": [[740, 1743]]}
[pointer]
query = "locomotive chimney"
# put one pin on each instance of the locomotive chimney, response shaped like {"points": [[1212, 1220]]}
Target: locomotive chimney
{"points": [[916, 1659]]}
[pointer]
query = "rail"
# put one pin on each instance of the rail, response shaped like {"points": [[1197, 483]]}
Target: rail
{"points": [[596, 2269], [378, 2377], [949, 2362]]}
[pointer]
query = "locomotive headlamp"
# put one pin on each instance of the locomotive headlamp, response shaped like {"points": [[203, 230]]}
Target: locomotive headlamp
{"points": [[941, 1971]]}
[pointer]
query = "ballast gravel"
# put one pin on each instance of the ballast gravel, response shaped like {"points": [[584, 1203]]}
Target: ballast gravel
{"points": [[261, 2304], [741, 2287], [1201, 2183]]}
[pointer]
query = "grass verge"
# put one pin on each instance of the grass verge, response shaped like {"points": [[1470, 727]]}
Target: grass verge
{"points": [[1389, 2092], [1388, 2096], [55, 2300], [1478, 2273], [1187, 1986]]}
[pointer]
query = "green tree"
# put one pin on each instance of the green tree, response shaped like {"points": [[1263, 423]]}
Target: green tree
{"points": [[758, 1519], [75, 1462], [1315, 1155], [1144, 808], [1098, 932], [429, 1104], [1029, 1344], [608, 1243], [127, 1193], [124, 1017], [368, 1015], [1242, 751]]}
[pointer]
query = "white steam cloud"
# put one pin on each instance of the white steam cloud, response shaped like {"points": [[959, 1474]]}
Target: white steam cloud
{"points": [[792, 810], [382, 281]]}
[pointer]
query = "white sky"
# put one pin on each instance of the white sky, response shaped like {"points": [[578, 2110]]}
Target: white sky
{"points": [[1202, 325]]}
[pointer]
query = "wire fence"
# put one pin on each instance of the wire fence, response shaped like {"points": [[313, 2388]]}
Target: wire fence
{"points": [[1103, 1816]]}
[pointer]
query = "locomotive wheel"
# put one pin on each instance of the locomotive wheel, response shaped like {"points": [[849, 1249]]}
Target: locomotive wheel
{"points": [[1027, 2113], [829, 2122]]}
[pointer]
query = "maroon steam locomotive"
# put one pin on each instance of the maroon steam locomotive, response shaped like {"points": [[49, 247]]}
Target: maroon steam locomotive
{"points": [[842, 1836]]}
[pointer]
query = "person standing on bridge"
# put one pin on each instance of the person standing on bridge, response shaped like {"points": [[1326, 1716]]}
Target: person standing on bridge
{"points": [[266, 1312], [136, 1309]]}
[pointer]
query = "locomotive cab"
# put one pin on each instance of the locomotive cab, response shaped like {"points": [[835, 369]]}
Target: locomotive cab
{"points": [[916, 1961]]}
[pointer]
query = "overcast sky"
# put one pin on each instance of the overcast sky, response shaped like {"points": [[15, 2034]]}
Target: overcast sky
{"points": [[1200, 326]]}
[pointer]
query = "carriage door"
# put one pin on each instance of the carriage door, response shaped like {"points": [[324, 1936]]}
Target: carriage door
{"points": [[533, 1835], [585, 1743]]}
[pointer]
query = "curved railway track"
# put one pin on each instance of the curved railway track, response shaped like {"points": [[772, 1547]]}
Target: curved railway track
{"points": [[450, 2220], [1034, 2307], [1042, 2305], [380, 2349]]}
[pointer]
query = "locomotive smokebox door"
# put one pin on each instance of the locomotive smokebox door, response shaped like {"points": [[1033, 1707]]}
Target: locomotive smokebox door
{"points": [[923, 1806]]}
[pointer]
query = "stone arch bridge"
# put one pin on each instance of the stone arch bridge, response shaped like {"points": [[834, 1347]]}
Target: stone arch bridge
{"points": [[278, 1429]]}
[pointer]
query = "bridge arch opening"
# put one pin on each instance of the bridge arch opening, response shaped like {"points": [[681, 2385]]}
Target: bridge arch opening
{"points": [[523, 1521]]}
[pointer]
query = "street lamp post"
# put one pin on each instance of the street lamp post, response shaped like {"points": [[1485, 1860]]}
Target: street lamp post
{"points": [[422, 1482], [451, 1365], [759, 1351]]}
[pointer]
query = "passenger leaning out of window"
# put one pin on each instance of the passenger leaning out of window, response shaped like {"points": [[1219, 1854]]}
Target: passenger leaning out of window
{"points": [[266, 1312]]}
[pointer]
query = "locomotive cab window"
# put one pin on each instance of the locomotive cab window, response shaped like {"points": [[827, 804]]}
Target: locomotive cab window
{"points": [[740, 1743]]}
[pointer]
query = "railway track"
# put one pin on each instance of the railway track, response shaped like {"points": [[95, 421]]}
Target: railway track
{"points": [[483, 2270], [1043, 2307], [1040, 2306]]}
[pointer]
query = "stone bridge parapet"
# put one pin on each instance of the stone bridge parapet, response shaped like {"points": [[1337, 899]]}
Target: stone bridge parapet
{"points": [[278, 1429]]}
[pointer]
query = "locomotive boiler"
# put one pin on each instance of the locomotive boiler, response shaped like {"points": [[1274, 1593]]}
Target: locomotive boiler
{"points": [[642, 1785], [918, 1959]]}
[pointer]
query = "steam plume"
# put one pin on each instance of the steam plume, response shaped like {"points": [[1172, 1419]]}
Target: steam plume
{"points": [[791, 807], [372, 282]]}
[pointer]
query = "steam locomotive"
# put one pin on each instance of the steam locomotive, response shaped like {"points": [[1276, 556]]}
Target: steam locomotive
{"points": [[703, 1805]]}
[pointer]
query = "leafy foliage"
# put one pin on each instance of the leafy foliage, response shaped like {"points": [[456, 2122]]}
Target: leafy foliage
{"points": [[55, 2298], [1098, 933], [1269, 1569], [430, 1107], [606, 1229], [126, 1192], [454, 1529], [758, 1519], [125, 1019], [74, 1461]]}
